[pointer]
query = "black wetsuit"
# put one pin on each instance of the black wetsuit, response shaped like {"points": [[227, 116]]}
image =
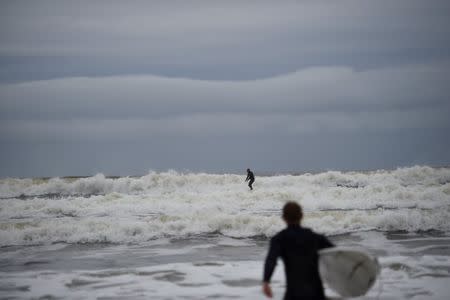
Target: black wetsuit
{"points": [[251, 177], [298, 248]]}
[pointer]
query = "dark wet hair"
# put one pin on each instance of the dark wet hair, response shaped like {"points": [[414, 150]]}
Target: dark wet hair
{"points": [[292, 212]]}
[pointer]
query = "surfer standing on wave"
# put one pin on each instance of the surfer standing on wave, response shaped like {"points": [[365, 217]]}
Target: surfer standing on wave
{"points": [[298, 248], [251, 177]]}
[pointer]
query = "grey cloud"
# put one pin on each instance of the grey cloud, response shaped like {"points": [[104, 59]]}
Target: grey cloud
{"points": [[216, 39], [209, 125], [332, 89], [309, 101]]}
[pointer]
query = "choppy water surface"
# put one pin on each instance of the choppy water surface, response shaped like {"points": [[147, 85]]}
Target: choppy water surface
{"points": [[196, 236]]}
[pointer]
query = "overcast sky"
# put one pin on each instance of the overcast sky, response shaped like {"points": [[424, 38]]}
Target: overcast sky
{"points": [[124, 87]]}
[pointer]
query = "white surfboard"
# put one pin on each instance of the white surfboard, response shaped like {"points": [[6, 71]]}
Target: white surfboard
{"points": [[348, 272]]}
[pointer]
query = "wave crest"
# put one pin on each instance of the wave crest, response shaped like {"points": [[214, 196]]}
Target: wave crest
{"points": [[129, 210]]}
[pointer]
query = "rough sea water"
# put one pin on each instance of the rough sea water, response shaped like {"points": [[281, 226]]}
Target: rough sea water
{"points": [[202, 236]]}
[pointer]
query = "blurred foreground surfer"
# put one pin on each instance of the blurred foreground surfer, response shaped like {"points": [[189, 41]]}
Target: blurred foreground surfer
{"points": [[298, 248], [251, 177]]}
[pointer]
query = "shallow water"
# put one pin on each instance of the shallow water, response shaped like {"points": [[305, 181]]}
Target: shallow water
{"points": [[414, 266]]}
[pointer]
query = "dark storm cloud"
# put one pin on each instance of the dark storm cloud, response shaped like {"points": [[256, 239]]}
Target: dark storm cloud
{"points": [[215, 39]]}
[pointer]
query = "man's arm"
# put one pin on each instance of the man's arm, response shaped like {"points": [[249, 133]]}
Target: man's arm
{"points": [[271, 262], [248, 177], [324, 242], [271, 259]]}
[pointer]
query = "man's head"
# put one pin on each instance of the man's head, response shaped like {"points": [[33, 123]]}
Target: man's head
{"points": [[248, 170], [292, 213]]}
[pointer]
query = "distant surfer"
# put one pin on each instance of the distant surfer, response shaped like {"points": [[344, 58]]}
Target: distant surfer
{"points": [[250, 178], [298, 248]]}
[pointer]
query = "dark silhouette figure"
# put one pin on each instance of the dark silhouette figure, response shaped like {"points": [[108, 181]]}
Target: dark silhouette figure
{"points": [[251, 177], [298, 248]]}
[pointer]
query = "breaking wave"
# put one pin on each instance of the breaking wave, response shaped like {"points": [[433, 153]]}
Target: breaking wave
{"points": [[136, 209]]}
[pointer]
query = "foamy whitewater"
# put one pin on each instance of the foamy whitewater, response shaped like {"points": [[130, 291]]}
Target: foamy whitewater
{"points": [[198, 236]]}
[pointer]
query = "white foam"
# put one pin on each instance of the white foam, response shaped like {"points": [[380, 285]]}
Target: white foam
{"points": [[174, 204], [401, 278], [182, 280], [173, 181]]}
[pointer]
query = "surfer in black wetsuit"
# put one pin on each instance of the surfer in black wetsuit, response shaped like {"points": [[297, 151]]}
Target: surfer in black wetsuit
{"points": [[251, 177], [298, 248]]}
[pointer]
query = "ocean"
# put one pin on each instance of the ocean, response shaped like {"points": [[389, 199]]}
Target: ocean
{"points": [[174, 235]]}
